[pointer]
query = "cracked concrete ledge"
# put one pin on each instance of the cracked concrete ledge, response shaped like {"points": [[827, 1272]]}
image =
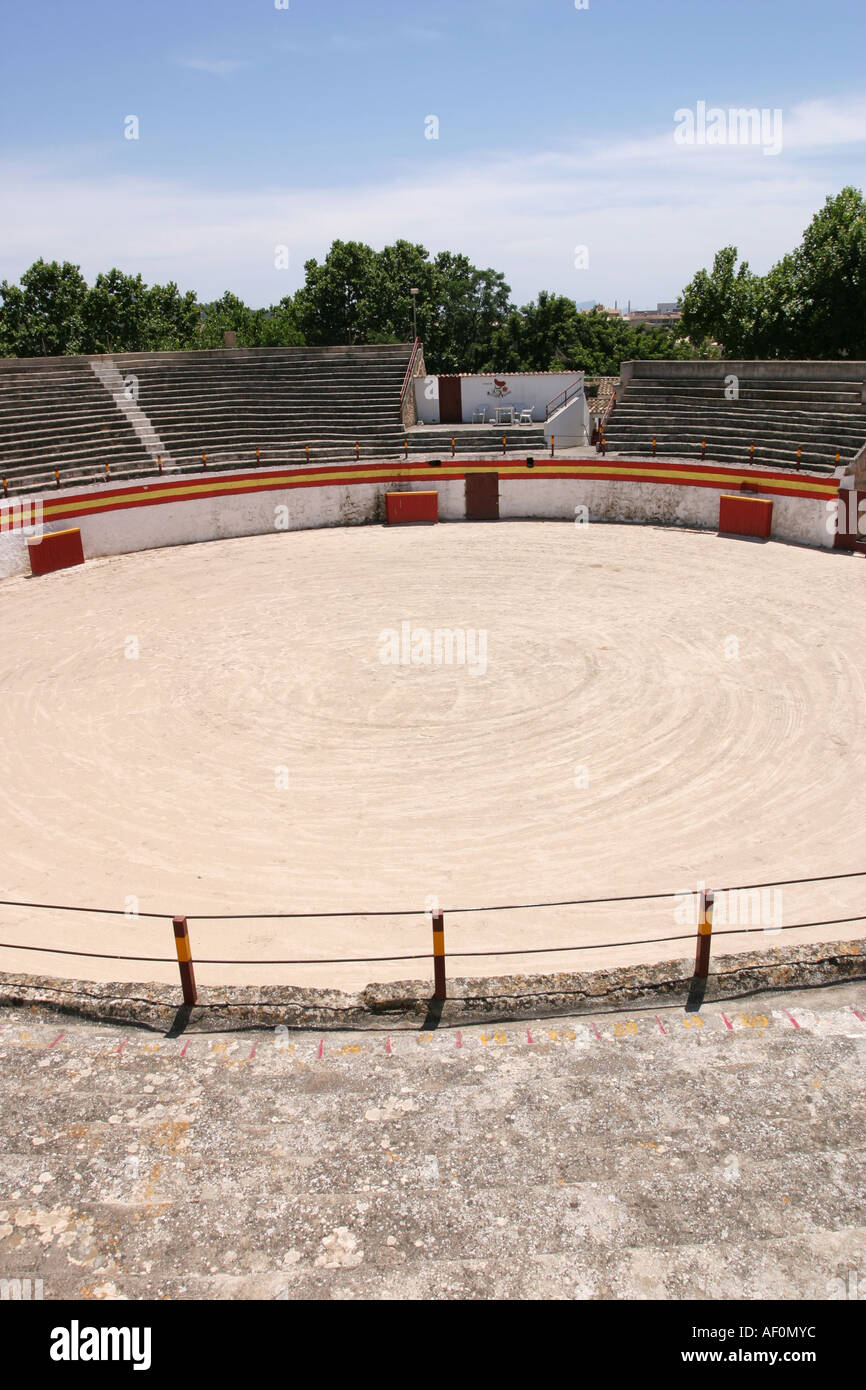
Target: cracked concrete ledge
{"points": [[408, 1004]]}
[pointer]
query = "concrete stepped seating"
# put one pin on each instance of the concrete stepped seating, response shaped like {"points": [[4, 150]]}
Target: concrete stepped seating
{"points": [[56, 414], [780, 407], [226, 404], [484, 439]]}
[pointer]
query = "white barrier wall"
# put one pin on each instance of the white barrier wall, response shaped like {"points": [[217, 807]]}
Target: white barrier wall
{"points": [[342, 501]]}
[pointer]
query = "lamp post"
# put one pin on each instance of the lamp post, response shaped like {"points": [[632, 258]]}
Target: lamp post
{"points": [[414, 294]]}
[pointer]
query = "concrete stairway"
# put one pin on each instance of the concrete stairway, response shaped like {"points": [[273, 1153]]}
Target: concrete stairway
{"points": [[124, 393], [73, 414], [820, 416], [55, 414]]}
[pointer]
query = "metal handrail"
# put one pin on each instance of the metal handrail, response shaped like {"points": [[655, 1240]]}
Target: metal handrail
{"points": [[408, 377], [578, 381]]}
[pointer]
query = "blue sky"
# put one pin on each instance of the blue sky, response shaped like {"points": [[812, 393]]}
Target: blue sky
{"points": [[261, 127]]}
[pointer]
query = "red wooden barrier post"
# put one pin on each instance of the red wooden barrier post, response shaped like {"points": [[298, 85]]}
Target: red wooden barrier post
{"points": [[705, 934], [184, 960], [439, 956]]}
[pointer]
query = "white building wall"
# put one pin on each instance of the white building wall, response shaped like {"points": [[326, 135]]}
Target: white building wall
{"points": [[524, 390]]}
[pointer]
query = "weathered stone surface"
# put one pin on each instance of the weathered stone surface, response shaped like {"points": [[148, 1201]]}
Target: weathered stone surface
{"points": [[650, 1154], [405, 1003]]}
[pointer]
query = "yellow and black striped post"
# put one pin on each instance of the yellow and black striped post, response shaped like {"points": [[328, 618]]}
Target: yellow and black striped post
{"points": [[503, 444], [159, 462], [405, 448], [452, 446], [357, 451], [705, 934], [184, 960], [204, 460], [439, 956], [258, 455], [552, 444]]}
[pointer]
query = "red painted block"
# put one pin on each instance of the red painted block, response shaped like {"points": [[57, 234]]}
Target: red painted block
{"points": [[402, 507], [745, 516], [56, 550]]}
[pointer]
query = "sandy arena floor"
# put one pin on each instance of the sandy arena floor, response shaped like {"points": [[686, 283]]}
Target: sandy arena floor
{"points": [[654, 707]]}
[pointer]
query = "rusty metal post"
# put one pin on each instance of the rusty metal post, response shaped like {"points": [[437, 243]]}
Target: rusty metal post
{"points": [[184, 960], [439, 989], [705, 934]]}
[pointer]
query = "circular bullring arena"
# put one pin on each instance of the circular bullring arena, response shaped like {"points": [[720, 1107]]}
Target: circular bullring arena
{"points": [[352, 720]]}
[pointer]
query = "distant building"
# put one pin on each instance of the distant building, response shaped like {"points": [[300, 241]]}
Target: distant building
{"points": [[662, 316]]}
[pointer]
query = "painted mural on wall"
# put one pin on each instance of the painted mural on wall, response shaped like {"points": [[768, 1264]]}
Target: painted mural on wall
{"points": [[499, 388]]}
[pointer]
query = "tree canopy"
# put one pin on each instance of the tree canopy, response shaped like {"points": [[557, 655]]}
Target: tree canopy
{"points": [[812, 303]]}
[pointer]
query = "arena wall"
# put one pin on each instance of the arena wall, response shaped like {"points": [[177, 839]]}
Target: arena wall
{"points": [[122, 517]]}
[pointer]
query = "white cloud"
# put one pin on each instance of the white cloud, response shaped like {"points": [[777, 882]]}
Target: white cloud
{"points": [[218, 67], [650, 212]]}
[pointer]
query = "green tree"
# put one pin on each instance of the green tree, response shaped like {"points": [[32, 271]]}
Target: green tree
{"points": [[41, 316], [114, 313], [812, 303], [533, 338], [724, 305], [335, 303], [467, 307], [172, 318]]}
